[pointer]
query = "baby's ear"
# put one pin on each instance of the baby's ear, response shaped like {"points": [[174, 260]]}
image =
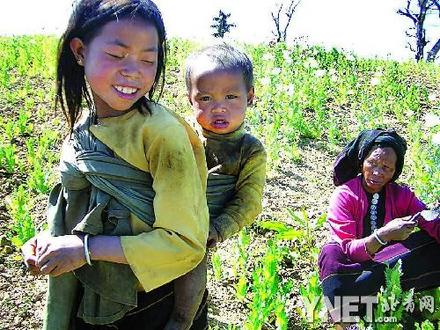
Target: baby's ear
{"points": [[250, 96]]}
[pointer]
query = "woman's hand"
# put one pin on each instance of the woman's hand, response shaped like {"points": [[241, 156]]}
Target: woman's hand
{"points": [[397, 229], [59, 255]]}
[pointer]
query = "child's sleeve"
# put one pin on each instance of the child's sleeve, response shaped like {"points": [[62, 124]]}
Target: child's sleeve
{"points": [[247, 201], [178, 239]]}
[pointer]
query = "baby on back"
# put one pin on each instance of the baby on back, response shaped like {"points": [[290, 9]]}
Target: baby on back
{"points": [[219, 81]]}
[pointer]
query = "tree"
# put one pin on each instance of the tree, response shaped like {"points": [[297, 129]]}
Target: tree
{"points": [[417, 10], [280, 32], [221, 25]]}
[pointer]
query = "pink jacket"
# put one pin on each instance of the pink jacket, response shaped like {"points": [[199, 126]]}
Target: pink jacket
{"points": [[349, 205]]}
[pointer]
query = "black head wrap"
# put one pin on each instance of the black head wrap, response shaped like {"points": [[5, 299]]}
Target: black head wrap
{"points": [[349, 161]]}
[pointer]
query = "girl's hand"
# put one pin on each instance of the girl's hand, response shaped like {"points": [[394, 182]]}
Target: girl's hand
{"points": [[29, 255], [398, 229], [29, 250], [60, 255], [213, 237]]}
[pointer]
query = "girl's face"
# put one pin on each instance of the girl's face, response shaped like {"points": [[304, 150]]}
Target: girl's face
{"points": [[120, 64], [378, 168]]}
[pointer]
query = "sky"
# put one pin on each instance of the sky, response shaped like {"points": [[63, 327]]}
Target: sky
{"points": [[366, 27]]}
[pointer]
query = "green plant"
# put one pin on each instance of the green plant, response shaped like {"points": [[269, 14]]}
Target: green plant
{"points": [[8, 159], [284, 232], [307, 226], [19, 208], [216, 262], [11, 130], [23, 125], [303, 231], [242, 246], [269, 293], [313, 302], [390, 310], [240, 265], [426, 325], [241, 287], [424, 163], [30, 147], [39, 178]]}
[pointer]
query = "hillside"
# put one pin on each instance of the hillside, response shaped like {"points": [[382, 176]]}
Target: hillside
{"points": [[309, 103]]}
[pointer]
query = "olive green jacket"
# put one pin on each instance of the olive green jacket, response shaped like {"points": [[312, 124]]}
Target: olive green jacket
{"points": [[236, 175]]}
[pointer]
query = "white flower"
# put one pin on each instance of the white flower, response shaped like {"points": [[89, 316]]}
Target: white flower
{"points": [[276, 71], [312, 63], [320, 73], [334, 78], [332, 72], [265, 81], [378, 74], [436, 139], [431, 120], [290, 90], [350, 57], [287, 57], [375, 81], [432, 97], [268, 57]]}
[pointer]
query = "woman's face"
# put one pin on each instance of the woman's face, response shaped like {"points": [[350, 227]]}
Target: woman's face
{"points": [[378, 168]]}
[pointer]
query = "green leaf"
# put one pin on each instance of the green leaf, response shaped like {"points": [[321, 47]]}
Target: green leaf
{"points": [[274, 225]]}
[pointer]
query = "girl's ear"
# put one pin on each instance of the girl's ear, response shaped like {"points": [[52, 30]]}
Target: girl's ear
{"points": [[78, 48], [250, 96]]}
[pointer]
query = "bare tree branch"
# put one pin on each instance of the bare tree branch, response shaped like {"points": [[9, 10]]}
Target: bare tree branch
{"points": [[432, 54], [280, 32], [276, 21], [435, 3], [408, 12], [290, 11], [416, 11]]}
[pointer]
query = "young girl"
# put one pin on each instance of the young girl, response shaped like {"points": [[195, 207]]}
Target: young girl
{"points": [[130, 214]]}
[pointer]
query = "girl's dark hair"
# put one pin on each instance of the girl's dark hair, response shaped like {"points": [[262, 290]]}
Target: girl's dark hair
{"points": [[88, 17]]}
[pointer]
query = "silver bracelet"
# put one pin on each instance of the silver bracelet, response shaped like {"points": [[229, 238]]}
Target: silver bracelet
{"points": [[86, 250], [376, 236]]}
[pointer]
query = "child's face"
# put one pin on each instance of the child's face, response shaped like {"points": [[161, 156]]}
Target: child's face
{"points": [[120, 64], [219, 99]]}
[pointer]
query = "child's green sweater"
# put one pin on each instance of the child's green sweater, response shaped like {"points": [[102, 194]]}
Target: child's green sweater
{"points": [[238, 161]]}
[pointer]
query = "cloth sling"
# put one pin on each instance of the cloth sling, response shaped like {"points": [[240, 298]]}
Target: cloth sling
{"points": [[96, 195], [220, 190]]}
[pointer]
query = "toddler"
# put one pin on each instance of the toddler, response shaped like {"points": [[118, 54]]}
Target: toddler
{"points": [[219, 80]]}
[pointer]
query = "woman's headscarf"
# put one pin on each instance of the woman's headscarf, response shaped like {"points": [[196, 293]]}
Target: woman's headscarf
{"points": [[349, 161]]}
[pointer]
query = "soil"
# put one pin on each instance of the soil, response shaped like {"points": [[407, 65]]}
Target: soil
{"points": [[299, 185]]}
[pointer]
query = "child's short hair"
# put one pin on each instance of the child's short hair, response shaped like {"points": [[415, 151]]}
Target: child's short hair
{"points": [[225, 57]]}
